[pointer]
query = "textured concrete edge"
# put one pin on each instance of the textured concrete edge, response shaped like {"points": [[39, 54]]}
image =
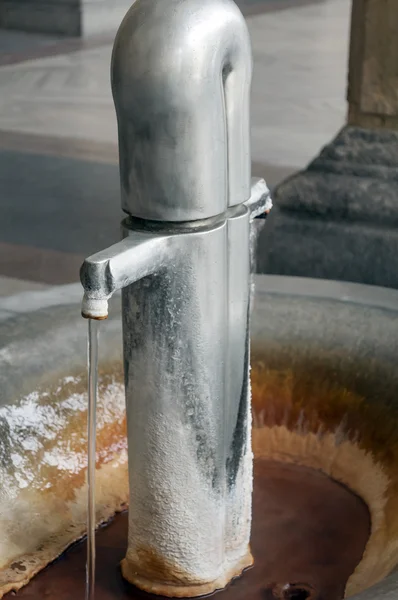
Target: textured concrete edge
{"points": [[355, 293], [31, 301], [386, 590], [341, 291]]}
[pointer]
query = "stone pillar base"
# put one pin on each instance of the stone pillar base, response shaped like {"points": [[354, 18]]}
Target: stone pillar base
{"points": [[338, 219]]}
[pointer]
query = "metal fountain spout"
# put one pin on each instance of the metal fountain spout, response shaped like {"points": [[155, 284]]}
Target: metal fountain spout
{"points": [[181, 74]]}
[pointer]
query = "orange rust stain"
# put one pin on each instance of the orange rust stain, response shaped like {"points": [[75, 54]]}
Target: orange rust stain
{"points": [[301, 398], [71, 439], [153, 565], [309, 395]]}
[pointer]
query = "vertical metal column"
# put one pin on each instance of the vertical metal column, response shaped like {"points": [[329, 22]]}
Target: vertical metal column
{"points": [[181, 74]]}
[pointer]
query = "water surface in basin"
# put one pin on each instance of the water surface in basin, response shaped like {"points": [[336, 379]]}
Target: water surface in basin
{"points": [[308, 532]]}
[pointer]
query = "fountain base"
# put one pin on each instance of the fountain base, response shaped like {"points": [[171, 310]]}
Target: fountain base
{"points": [[174, 590], [309, 534]]}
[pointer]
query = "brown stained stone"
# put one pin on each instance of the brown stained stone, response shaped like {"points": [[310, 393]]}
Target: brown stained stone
{"points": [[309, 534], [373, 65], [313, 531]]}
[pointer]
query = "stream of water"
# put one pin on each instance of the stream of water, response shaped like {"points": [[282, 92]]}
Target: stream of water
{"points": [[93, 330]]}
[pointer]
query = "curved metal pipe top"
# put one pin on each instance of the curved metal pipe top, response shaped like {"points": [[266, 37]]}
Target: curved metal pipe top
{"points": [[181, 76]]}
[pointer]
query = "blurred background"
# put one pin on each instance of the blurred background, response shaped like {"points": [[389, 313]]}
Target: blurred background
{"points": [[59, 181]]}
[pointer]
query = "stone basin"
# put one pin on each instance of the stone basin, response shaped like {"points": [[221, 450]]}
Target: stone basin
{"points": [[325, 434]]}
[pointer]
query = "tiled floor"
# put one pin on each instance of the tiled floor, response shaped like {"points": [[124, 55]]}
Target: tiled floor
{"points": [[298, 98], [10, 286], [60, 108]]}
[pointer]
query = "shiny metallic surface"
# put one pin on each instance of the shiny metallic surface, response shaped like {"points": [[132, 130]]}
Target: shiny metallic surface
{"points": [[260, 204], [181, 74], [188, 428], [260, 199], [120, 265], [148, 247]]}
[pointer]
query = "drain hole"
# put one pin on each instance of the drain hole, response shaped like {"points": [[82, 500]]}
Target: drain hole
{"points": [[293, 591], [297, 594]]}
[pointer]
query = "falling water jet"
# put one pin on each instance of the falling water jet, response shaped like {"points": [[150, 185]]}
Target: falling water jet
{"points": [[93, 334]]}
